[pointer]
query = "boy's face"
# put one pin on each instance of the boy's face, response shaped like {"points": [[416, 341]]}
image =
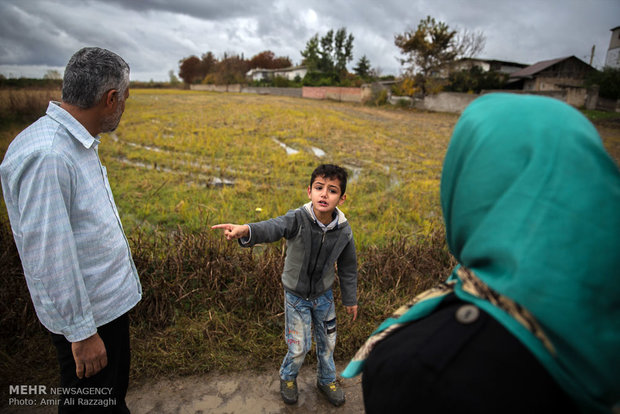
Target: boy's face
{"points": [[325, 194]]}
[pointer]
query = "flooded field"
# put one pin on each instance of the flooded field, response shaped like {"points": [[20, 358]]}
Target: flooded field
{"points": [[193, 159]]}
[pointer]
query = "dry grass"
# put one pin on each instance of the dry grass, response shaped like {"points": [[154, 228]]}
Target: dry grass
{"points": [[208, 304], [25, 105]]}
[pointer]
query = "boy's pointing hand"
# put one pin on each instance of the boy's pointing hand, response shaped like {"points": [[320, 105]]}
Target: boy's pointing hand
{"points": [[353, 310], [233, 231]]}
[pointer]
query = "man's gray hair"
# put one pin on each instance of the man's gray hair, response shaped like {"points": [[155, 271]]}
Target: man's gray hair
{"points": [[92, 72]]}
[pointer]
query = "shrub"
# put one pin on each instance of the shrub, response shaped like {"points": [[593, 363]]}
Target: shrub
{"points": [[405, 87], [608, 81], [475, 80], [281, 82], [379, 97]]}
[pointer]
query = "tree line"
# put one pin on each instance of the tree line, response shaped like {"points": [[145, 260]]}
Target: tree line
{"points": [[325, 57], [429, 56], [427, 51], [229, 69]]}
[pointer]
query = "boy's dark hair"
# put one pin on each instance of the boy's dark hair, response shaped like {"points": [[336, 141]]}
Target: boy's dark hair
{"points": [[332, 172]]}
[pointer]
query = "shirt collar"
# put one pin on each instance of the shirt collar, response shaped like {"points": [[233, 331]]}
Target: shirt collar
{"points": [[75, 128], [324, 227]]}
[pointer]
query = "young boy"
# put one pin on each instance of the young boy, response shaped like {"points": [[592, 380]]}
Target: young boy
{"points": [[318, 236]]}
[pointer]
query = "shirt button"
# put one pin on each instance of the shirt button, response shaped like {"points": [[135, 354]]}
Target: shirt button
{"points": [[467, 314]]}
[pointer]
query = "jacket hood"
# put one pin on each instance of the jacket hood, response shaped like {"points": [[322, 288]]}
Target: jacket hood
{"points": [[341, 218]]}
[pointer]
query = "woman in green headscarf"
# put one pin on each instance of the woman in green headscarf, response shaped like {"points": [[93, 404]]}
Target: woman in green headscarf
{"points": [[530, 318]]}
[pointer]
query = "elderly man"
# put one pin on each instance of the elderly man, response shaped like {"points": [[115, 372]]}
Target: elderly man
{"points": [[75, 255]]}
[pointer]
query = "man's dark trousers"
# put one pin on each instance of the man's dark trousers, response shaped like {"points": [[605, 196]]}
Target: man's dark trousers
{"points": [[109, 385]]}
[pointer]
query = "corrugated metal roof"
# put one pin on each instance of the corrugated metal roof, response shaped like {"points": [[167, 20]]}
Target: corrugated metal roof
{"points": [[536, 67]]}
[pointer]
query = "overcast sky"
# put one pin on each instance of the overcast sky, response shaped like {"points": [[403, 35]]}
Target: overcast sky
{"points": [[153, 35]]}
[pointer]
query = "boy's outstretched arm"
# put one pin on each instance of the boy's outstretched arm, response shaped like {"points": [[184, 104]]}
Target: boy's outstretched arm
{"points": [[233, 231]]}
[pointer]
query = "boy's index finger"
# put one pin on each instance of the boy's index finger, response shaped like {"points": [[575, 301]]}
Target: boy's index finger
{"points": [[222, 226]]}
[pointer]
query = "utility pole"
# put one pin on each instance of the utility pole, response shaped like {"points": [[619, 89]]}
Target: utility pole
{"points": [[592, 54]]}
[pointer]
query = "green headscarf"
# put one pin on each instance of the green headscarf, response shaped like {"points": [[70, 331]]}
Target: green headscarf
{"points": [[531, 205]]}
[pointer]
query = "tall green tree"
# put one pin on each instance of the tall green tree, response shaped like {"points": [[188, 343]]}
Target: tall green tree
{"points": [[343, 50], [311, 58], [329, 54], [326, 52], [362, 68]]}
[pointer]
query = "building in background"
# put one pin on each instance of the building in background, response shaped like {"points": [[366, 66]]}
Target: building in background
{"points": [[291, 73], [613, 52], [562, 78], [500, 66], [551, 75]]}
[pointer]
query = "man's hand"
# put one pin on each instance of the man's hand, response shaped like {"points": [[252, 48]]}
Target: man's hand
{"points": [[353, 310], [233, 231], [90, 356]]}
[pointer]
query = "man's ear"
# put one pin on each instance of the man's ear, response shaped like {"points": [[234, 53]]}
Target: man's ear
{"points": [[111, 97], [342, 199], [309, 192]]}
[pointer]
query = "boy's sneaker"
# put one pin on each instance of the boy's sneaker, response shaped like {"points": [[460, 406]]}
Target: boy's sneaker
{"points": [[333, 392], [288, 391]]}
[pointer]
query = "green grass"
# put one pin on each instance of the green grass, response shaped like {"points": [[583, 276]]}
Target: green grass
{"points": [[594, 115]]}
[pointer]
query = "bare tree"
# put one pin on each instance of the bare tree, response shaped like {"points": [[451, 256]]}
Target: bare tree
{"points": [[469, 43], [52, 74]]}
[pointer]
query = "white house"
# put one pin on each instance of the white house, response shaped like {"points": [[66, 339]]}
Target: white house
{"points": [[486, 65], [291, 73]]}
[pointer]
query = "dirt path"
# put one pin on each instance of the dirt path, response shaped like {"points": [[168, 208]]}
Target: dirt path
{"points": [[245, 392], [254, 392]]}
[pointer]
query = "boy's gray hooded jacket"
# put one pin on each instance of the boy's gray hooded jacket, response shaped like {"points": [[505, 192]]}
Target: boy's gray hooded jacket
{"points": [[311, 253]]}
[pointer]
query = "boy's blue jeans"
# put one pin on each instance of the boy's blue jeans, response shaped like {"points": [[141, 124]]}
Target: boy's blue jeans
{"points": [[302, 318]]}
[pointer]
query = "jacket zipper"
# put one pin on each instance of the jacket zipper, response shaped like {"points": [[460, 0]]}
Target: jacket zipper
{"points": [[316, 260]]}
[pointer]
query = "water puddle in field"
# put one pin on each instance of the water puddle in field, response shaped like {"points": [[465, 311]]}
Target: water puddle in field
{"points": [[394, 180], [200, 162], [318, 152], [115, 138], [146, 147], [289, 150], [355, 171], [191, 178]]}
